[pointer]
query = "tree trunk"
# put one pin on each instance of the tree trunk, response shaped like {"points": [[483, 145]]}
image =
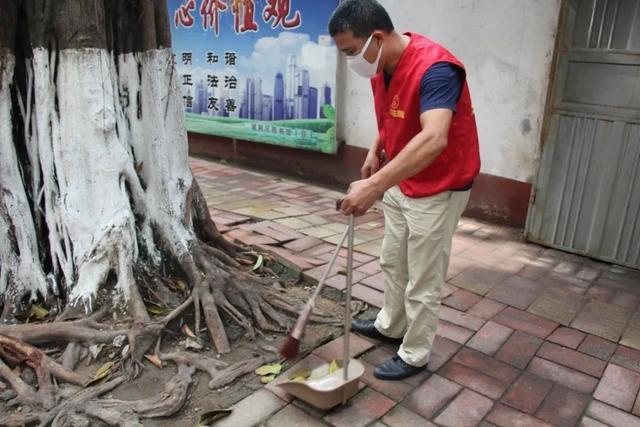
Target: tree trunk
{"points": [[96, 195]]}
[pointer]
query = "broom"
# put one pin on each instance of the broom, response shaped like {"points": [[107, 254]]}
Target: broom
{"points": [[291, 346]]}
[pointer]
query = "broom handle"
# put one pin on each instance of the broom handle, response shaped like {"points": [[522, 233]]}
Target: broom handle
{"points": [[305, 313], [327, 271], [347, 313]]}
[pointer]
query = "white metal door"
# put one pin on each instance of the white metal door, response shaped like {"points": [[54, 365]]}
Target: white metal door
{"points": [[587, 193]]}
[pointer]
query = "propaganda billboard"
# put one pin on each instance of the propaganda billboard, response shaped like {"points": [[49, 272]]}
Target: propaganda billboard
{"points": [[257, 70]]}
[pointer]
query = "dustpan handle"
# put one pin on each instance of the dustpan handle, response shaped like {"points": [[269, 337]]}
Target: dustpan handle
{"points": [[347, 312]]}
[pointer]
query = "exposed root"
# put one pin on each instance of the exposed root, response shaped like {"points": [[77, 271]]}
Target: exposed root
{"points": [[17, 352], [228, 375]]}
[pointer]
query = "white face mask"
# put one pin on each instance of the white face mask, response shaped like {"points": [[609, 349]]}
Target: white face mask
{"points": [[361, 66]]}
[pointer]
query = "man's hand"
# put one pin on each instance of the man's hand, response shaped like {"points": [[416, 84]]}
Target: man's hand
{"points": [[361, 196], [371, 164]]}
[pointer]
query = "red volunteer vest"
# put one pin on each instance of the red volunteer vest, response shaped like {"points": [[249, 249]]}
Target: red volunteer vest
{"points": [[398, 114]]}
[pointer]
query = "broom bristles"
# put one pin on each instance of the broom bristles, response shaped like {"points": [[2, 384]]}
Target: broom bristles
{"points": [[290, 348]]}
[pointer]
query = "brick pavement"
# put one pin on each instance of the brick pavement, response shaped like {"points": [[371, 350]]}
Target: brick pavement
{"points": [[528, 336]]}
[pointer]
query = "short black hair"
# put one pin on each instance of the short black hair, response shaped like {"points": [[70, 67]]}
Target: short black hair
{"points": [[362, 17]]}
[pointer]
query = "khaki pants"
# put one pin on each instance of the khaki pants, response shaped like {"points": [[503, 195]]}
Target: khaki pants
{"points": [[415, 259]]}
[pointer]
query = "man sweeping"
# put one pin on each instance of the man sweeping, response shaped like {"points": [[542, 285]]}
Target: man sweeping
{"points": [[427, 131]]}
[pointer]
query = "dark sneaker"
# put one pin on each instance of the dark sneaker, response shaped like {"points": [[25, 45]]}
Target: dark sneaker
{"points": [[367, 329], [396, 369]]}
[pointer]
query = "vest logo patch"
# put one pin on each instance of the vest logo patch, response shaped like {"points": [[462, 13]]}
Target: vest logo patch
{"points": [[394, 111]]}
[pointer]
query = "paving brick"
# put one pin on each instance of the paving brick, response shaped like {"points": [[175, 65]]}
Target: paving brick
{"points": [[333, 349], [572, 359], [566, 283], [563, 407], [457, 264], [467, 409], [486, 309], [602, 319], [373, 248], [590, 422], [454, 332], [314, 275], [291, 416], [461, 319], [566, 268], [427, 399], [462, 300], [627, 357], [375, 282], [487, 365], [527, 393], [371, 268], [610, 415], [534, 272], [525, 322], [504, 416], [396, 390], [519, 349], [303, 244], [516, 291], [636, 406], [249, 239], [403, 417], [443, 350], [253, 409], [479, 280], [588, 274], [447, 290], [318, 250], [558, 305], [597, 347], [490, 338], [601, 293], [363, 409], [368, 295], [631, 335], [474, 380], [309, 409], [618, 387], [626, 300], [319, 232], [288, 258], [564, 376], [567, 337]]}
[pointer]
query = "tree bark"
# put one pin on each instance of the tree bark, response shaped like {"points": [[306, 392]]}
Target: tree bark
{"points": [[96, 192]]}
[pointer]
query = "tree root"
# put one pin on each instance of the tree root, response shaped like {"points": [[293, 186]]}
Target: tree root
{"points": [[17, 352], [228, 375]]}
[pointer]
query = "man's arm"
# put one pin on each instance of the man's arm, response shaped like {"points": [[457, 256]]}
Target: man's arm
{"points": [[417, 155]]}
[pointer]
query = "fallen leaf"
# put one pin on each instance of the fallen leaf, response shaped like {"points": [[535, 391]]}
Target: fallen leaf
{"points": [[267, 378], [156, 309], [273, 369], [187, 331], [155, 360], [333, 367], [301, 375], [101, 373], [139, 167], [210, 417], [38, 312], [259, 262], [182, 285]]}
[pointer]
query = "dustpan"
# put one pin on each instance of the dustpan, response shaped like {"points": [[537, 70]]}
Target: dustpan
{"points": [[323, 389]]}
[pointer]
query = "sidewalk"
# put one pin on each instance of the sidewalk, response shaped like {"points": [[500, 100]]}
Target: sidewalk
{"points": [[528, 336]]}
